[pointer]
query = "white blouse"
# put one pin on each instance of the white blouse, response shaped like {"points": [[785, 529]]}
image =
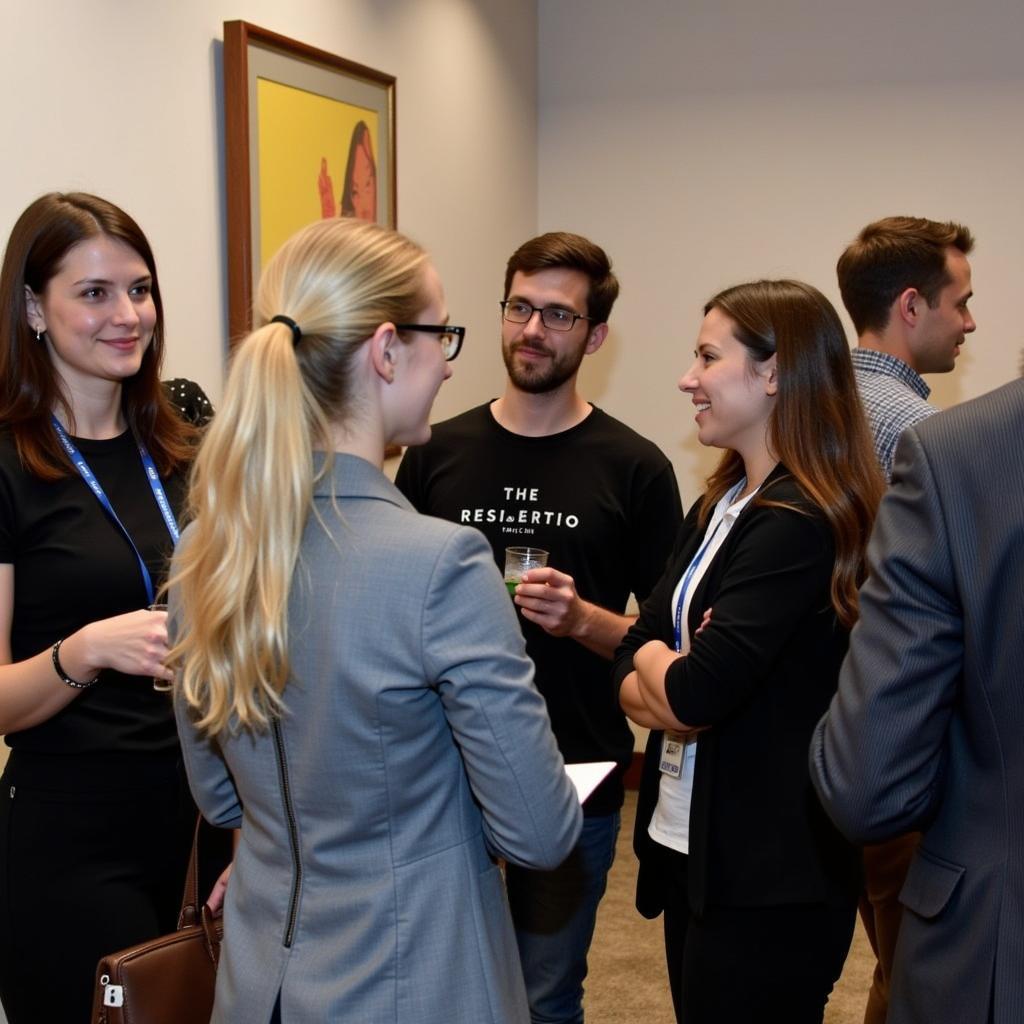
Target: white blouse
{"points": [[670, 824]]}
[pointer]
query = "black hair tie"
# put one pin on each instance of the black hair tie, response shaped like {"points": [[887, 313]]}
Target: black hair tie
{"points": [[289, 322]]}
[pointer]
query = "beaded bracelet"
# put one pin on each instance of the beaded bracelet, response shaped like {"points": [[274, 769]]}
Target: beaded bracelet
{"points": [[63, 675]]}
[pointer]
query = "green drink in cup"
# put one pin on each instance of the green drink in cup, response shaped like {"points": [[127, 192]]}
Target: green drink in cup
{"points": [[520, 560], [160, 685]]}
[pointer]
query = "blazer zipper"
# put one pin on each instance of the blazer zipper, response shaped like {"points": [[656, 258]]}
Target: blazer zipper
{"points": [[293, 833]]}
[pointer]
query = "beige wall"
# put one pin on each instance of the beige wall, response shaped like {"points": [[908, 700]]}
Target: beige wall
{"points": [[717, 141]]}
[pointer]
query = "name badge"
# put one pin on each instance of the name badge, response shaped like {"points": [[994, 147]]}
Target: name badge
{"points": [[672, 747]]}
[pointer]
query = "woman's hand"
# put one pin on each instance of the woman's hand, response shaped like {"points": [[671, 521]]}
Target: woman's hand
{"points": [[215, 901], [134, 643], [220, 887], [30, 690], [704, 622]]}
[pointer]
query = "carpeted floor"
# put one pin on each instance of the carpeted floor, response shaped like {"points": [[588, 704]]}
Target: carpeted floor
{"points": [[627, 983]]}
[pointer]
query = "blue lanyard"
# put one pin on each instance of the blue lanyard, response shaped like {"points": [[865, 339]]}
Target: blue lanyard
{"points": [[687, 579], [155, 486], [728, 501]]}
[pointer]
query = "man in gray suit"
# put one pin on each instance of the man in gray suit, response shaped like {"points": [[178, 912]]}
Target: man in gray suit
{"points": [[925, 730]]}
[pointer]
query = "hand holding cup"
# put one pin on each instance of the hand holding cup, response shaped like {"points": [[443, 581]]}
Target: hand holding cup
{"points": [[160, 684], [521, 560]]}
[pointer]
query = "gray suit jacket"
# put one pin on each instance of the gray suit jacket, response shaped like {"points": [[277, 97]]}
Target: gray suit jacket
{"points": [[927, 729], [414, 750]]}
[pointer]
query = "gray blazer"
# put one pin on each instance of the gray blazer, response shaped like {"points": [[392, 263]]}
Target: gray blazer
{"points": [[927, 729], [415, 750]]}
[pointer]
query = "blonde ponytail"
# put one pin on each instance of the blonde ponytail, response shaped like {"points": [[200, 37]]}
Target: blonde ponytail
{"points": [[252, 483]]}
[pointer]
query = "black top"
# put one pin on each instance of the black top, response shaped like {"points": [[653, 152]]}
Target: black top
{"points": [[760, 675], [603, 501], [72, 566]]}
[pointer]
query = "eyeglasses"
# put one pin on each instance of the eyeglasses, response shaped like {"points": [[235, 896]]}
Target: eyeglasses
{"points": [[449, 336], [554, 318]]}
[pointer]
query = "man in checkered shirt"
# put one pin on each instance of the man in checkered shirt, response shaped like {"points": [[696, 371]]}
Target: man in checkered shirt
{"points": [[906, 283]]}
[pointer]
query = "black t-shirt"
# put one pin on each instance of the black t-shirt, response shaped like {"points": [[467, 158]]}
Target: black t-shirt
{"points": [[603, 501], [73, 566]]}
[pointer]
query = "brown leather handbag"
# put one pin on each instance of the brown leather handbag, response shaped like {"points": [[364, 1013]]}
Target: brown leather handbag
{"points": [[168, 980]]}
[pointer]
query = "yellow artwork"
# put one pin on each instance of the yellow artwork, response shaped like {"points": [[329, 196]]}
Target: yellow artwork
{"points": [[316, 159]]}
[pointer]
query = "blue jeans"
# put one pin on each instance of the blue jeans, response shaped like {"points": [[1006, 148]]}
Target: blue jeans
{"points": [[554, 914]]}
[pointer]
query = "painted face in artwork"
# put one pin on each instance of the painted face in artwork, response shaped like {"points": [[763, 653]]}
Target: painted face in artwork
{"points": [[362, 189]]}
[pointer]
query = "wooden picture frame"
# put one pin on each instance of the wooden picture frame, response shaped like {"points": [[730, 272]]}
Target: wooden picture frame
{"points": [[285, 105]]}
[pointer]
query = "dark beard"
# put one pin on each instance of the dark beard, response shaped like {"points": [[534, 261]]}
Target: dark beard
{"points": [[540, 379]]}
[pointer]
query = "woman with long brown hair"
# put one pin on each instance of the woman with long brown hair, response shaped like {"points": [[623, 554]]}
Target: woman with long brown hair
{"points": [[95, 816], [735, 657]]}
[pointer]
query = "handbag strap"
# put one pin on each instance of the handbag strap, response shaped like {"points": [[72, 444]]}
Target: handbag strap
{"points": [[190, 905]]}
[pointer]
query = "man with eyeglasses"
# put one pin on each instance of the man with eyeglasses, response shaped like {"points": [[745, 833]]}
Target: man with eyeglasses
{"points": [[542, 467]]}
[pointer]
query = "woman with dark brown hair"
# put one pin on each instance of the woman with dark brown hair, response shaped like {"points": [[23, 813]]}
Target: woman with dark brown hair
{"points": [[95, 817], [735, 657]]}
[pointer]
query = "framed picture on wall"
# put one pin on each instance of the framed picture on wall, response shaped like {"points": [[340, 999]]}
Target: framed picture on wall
{"points": [[307, 135]]}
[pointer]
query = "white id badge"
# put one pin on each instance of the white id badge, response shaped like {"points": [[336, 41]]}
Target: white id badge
{"points": [[672, 747]]}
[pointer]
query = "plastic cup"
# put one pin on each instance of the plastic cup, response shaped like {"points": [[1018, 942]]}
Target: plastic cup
{"points": [[519, 561], [160, 685]]}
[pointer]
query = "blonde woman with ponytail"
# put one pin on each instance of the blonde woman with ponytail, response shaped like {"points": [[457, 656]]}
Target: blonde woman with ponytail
{"points": [[351, 688]]}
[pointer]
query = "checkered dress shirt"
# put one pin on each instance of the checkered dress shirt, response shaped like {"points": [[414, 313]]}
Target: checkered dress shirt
{"points": [[894, 398]]}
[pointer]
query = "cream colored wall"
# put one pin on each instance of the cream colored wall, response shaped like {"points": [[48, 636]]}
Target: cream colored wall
{"points": [[716, 141], [125, 100]]}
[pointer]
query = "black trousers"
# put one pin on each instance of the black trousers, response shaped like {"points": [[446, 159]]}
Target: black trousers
{"points": [[93, 853], [735, 965]]}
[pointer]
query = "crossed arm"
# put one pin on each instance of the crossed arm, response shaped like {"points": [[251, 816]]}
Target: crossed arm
{"points": [[775, 574], [642, 694]]}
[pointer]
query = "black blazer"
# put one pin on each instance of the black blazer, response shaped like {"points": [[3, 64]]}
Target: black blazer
{"points": [[760, 675]]}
